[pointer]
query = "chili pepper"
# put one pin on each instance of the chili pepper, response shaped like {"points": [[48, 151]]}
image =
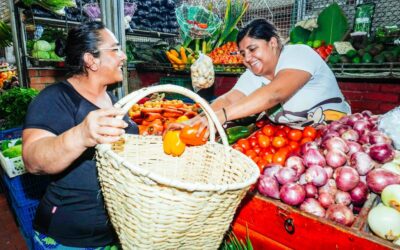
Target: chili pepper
{"points": [[237, 132], [189, 135], [172, 144]]}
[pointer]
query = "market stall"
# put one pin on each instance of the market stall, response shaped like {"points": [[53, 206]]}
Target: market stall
{"points": [[333, 184]]}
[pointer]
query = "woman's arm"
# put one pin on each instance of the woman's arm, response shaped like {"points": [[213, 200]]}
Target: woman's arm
{"points": [[285, 84], [44, 152]]}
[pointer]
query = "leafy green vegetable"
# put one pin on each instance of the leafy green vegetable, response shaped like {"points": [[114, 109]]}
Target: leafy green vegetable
{"points": [[41, 45], [41, 54], [299, 34], [14, 105], [13, 151], [332, 25], [55, 6]]}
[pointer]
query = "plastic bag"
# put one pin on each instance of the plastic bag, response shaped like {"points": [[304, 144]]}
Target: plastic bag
{"points": [[202, 73], [389, 124]]}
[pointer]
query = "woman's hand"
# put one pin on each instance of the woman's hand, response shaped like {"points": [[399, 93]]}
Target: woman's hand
{"points": [[200, 120], [102, 126]]}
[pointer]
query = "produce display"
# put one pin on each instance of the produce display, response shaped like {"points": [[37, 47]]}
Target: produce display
{"points": [[8, 76], [329, 171], [5, 35]]}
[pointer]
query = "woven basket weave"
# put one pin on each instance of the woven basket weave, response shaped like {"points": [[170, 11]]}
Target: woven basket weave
{"points": [[156, 201]]}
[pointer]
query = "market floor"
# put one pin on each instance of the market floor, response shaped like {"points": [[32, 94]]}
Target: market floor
{"points": [[10, 236]]}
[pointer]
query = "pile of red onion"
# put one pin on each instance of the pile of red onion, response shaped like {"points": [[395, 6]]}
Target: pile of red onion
{"points": [[334, 174]]}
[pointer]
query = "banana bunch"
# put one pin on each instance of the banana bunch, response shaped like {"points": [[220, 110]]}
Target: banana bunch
{"points": [[5, 35]]}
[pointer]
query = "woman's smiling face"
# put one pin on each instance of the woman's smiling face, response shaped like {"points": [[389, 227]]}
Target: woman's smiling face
{"points": [[259, 56]]}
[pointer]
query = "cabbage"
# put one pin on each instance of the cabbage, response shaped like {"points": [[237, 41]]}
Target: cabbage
{"points": [[54, 56], [42, 45], [52, 45], [41, 54]]}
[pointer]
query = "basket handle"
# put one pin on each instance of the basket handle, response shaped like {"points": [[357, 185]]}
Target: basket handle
{"points": [[128, 101]]}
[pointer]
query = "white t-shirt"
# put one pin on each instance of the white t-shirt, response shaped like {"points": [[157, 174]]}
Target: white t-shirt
{"points": [[310, 104]]}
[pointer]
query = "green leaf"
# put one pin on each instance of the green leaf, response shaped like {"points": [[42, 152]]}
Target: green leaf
{"points": [[299, 34], [232, 36], [332, 25]]}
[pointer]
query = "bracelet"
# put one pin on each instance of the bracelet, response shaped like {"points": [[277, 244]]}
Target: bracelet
{"points": [[226, 118]]}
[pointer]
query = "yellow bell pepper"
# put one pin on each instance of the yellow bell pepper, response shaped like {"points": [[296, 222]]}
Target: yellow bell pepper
{"points": [[182, 118], [172, 143]]}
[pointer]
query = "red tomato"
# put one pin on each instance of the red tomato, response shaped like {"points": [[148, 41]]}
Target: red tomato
{"points": [[253, 141], [251, 153], [295, 134], [309, 132], [279, 142], [258, 133], [287, 129], [281, 133], [238, 148], [294, 145], [243, 143], [269, 158], [280, 157], [305, 140], [268, 130], [263, 141], [261, 164], [260, 123], [257, 149]]}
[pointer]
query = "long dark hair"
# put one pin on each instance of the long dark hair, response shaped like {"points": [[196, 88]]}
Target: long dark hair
{"points": [[80, 40], [259, 28]]}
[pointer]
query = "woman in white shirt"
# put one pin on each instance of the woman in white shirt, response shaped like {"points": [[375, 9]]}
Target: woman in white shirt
{"points": [[291, 83]]}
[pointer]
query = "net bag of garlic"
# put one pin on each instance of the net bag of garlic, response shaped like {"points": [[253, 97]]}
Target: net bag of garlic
{"points": [[202, 73]]}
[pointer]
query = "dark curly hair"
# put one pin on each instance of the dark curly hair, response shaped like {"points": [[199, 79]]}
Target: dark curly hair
{"points": [[259, 28]]}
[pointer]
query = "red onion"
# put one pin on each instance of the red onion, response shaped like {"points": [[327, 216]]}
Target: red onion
{"points": [[330, 135], [329, 171], [344, 119], [312, 206], [359, 194], [350, 135], [286, 175], [335, 126], [340, 214], [313, 157], [343, 129], [366, 113], [343, 198], [346, 178], [335, 158], [361, 126], [362, 162], [326, 199], [378, 137], [316, 175], [336, 143], [271, 170], [381, 152], [353, 118], [292, 194], [308, 145], [329, 187], [296, 163], [311, 190], [379, 178], [364, 138], [268, 186], [353, 147], [302, 179]]}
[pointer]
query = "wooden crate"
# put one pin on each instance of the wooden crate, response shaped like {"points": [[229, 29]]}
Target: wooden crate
{"points": [[275, 225]]}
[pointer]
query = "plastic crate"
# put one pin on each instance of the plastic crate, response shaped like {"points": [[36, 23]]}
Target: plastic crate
{"points": [[185, 82], [12, 166], [26, 189], [25, 216], [11, 133]]}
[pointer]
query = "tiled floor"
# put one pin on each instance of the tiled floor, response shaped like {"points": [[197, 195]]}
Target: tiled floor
{"points": [[10, 236]]}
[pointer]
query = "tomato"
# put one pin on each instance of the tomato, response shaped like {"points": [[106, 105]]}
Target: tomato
{"points": [[257, 149], [251, 153], [287, 129], [309, 131], [269, 158], [281, 133], [295, 134], [260, 123], [238, 148], [294, 145], [263, 141], [280, 157], [253, 141], [262, 163], [243, 143], [305, 140], [268, 130], [279, 142]]}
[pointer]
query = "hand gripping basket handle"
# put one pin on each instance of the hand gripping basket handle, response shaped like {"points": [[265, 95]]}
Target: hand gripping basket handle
{"points": [[128, 101]]}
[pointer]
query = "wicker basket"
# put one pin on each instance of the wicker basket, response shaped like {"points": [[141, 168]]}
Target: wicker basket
{"points": [[156, 201]]}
